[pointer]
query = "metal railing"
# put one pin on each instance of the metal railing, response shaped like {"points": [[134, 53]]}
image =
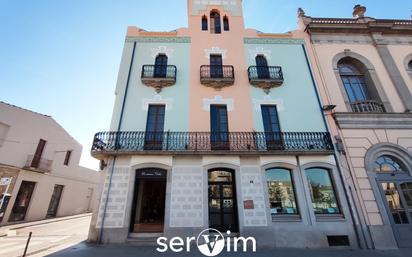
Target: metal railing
{"points": [[140, 141], [217, 72], [367, 106], [159, 71], [38, 164], [273, 73]]}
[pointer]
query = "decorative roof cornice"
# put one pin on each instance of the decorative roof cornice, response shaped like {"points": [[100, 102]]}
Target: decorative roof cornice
{"points": [[157, 39], [357, 25], [291, 41]]}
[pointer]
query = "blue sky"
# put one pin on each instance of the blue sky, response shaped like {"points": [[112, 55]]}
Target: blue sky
{"points": [[61, 58]]}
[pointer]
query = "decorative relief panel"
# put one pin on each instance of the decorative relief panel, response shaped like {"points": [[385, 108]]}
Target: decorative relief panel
{"points": [[218, 100], [228, 5], [260, 50], [215, 50], [267, 99], [157, 99], [162, 50]]}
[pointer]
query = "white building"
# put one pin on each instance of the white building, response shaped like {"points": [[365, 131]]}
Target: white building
{"points": [[42, 161]]}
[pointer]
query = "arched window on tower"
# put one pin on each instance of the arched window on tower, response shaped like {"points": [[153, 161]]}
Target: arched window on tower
{"points": [[225, 23], [361, 93], [204, 22], [215, 27], [410, 65]]}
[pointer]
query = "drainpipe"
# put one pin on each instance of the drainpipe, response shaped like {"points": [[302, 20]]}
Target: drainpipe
{"points": [[116, 138], [352, 208]]}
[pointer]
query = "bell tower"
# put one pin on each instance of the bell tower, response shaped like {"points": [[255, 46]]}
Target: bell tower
{"points": [[214, 13]]}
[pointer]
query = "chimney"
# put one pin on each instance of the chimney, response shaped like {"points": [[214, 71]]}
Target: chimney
{"points": [[359, 11]]}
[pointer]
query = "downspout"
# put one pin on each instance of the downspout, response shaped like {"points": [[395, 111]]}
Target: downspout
{"points": [[114, 156], [352, 208]]}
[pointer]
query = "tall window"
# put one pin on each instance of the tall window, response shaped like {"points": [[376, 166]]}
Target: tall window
{"points": [[226, 23], [262, 66], [38, 154], [160, 66], [215, 27], [322, 191], [216, 67], [22, 202], [354, 81], [204, 22], [272, 127], [67, 158], [281, 192], [155, 127], [219, 127]]}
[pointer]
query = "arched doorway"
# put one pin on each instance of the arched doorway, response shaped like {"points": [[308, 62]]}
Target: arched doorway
{"points": [[394, 180], [149, 199], [222, 200]]}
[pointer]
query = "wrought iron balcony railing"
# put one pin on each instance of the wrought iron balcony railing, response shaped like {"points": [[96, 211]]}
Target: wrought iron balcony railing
{"points": [[265, 77], [38, 164], [210, 142], [217, 76], [159, 76], [367, 106]]}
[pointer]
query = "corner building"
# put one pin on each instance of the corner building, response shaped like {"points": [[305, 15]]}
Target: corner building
{"points": [[218, 126], [364, 68]]}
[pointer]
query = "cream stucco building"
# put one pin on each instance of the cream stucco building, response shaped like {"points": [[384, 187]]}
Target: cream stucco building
{"points": [[39, 168], [363, 68]]}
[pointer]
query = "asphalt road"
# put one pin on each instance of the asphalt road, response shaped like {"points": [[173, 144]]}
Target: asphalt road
{"points": [[46, 238]]}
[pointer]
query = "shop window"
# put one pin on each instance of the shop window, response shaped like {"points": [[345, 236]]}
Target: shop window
{"points": [[22, 202], [322, 191], [281, 192], [204, 22]]}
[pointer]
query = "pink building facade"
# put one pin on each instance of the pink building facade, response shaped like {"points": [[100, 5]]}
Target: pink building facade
{"points": [[218, 126]]}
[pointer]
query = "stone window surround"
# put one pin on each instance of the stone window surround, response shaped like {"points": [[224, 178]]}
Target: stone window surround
{"points": [[371, 155], [302, 192], [373, 75], [406, 62]]}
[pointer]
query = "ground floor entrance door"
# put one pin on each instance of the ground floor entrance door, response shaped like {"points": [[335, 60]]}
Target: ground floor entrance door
{"points": [[149, 200], [222, 200], [397, 195]]}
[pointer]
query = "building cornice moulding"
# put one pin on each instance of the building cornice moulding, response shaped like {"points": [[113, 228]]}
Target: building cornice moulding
{"points": [[289, 41], [159, 39], [347, 120]]}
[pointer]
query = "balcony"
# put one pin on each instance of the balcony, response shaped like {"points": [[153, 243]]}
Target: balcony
{"points": [[367, 106], [38, 164], [265, 77], [159, 76], [140, 142], [217, 76]]}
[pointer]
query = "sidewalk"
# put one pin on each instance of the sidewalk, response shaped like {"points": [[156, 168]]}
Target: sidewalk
{"points": [[11, 229], [84, 250]]}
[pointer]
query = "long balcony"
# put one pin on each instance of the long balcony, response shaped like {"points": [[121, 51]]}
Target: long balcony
{"points": [[265, 77], [38, 164], [217, 76], [367, 106], [140, 142], [159, 76]]}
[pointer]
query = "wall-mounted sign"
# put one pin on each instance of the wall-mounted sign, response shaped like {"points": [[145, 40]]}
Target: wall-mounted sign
{"points": [[151, 173], [5, 181], [248, 205]]}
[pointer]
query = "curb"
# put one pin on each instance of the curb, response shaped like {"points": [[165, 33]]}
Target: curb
{"points": [[5, 231]]}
